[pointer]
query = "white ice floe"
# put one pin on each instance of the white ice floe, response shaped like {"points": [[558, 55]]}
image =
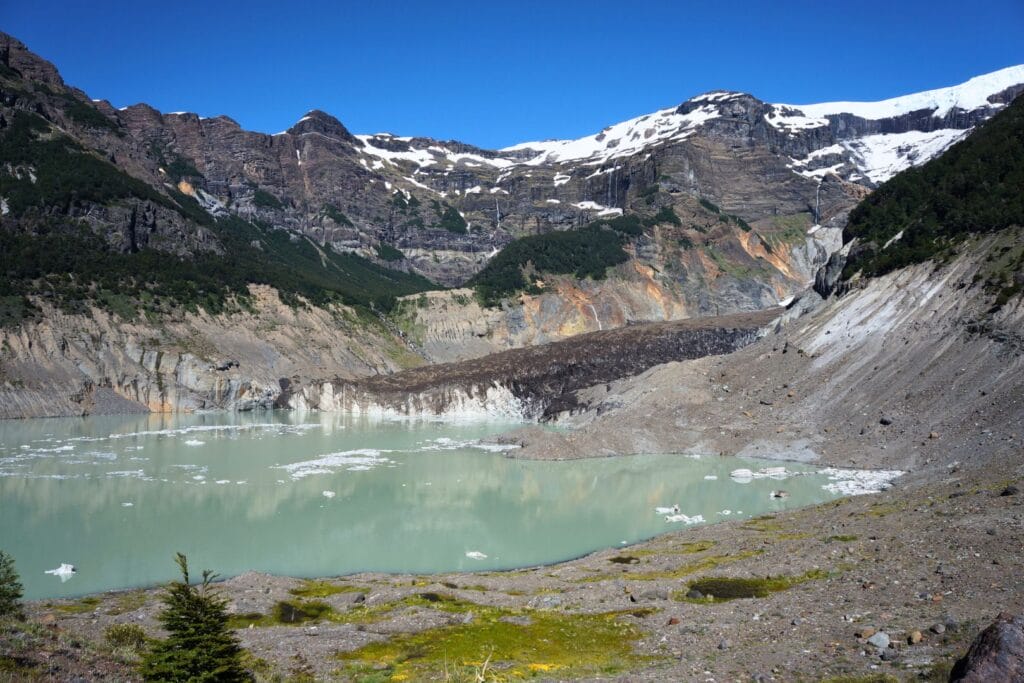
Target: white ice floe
{"points": [[743, 475], [725, 513], [475, 555], [127, 505], [194, 442], [445, 443], [673, 510], [64, 572], [710, 477], [329, 494], [696, 519], [357, 460], [858, 482]]}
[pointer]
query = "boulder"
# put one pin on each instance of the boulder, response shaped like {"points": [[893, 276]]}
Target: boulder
{"points": [[997, 654]]}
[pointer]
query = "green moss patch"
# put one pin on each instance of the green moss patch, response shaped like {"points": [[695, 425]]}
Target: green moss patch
{"points": [[81, 606], [323, 589], [843, 538], [721, 589], [703, 564], [541, 644]]}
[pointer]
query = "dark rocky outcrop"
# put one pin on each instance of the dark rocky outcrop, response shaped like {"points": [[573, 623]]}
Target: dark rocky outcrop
{"points": [[542, 378], [997, 654]]}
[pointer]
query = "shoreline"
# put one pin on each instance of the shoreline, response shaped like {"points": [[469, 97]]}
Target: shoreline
{"points": [[842, 546]]}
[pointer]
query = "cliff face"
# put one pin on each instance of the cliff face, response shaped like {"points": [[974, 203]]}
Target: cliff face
{"points": [[88, 364]]}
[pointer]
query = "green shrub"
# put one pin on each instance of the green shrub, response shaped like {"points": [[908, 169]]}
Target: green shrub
{"points": [[626, 224], [452, 221], [335, 214], [666, 214], [10, 587], [130, 636], [265, 200], [199, 646], [389, 253]]}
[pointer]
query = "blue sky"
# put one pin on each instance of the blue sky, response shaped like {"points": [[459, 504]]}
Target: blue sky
{"points": [[497, 73]]}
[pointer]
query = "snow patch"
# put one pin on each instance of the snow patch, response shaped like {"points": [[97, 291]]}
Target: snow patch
{"points": [[968, 96], [880, 157]]}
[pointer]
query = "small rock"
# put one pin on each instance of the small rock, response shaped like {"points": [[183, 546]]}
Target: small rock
{"points": [[725, 644], [468, 617], [797, 621], [885, 420], [1010, 490], [952, 625], [933, 435], [654, 594], [990, 532], [865, 632], [915, 637], [880, 640], [791, 393], [890, 655], [673, 621], [765, 402], [938, 628], [360, 597], [694, 594]]}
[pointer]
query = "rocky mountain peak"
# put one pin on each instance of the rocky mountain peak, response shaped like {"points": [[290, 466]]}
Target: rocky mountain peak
{"points": [[15, 55], [321, 122]]}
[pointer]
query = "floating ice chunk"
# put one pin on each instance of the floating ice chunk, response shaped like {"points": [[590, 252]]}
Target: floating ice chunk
{"points": [[127, 505], [476, 555], [329, 494], [65, 571], [674, 510], [858, 482], [356, 460], [742, 475], [685, 519], [775, 472], [711, 477], [223, 481], [725, 513], [194, 442], [199, 477]]}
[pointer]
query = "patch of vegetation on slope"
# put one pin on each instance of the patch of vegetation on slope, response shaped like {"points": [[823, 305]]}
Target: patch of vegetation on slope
{"points": [[587, 252], [61, 259], [72, 267], [63, 170], [975, 187]]}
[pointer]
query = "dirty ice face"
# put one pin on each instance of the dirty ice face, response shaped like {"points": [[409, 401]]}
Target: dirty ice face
{"points": [[108, 501]]}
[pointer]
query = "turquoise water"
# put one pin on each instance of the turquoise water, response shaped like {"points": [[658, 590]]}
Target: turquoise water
{"points": [[330, 494]]}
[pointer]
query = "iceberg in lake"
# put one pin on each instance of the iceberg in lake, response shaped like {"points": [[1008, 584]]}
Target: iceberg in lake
{"points": [[696, 519], [65, 571]]}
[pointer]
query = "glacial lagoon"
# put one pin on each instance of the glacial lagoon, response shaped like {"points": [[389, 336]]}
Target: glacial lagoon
{"points": [[332, 494]]}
